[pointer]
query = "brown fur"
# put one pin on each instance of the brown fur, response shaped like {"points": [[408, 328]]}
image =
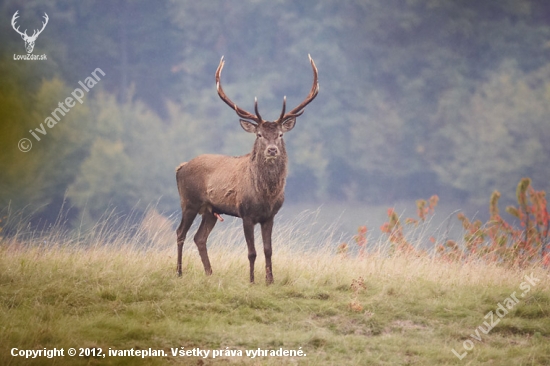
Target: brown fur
{"points": [[250, 187]]}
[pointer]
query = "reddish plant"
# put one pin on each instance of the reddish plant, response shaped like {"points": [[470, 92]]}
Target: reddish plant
{"points": [[498, 241], [395, 231], [361, 240], [495, 241], [531, 241]]}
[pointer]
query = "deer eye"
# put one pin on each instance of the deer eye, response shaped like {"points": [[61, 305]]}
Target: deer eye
{"points": [[259, 135], [280, 135]]}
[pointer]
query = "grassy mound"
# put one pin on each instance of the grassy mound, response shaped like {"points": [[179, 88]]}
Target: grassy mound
{"points": [[120, 292]]}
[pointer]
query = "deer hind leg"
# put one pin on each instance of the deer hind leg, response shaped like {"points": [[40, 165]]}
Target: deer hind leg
{"points": [[267, 228], [248, 227], [187, 217], [207, 224]]}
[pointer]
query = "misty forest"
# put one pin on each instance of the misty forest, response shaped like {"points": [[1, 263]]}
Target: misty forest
{"points": [[417, 97]]}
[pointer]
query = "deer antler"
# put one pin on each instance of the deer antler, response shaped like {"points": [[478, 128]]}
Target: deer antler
{"points": [[43, 26], [24, 34], [240, 112], [300, 108], [13, 20]]}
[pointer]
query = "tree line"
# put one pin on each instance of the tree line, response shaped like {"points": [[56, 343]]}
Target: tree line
{"points": [[417, 97]]}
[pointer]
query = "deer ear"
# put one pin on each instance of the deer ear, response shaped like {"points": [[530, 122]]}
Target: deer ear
{"points": [[288, 124], [248, 126]]}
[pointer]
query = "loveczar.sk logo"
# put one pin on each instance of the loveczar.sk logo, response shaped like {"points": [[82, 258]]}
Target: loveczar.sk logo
{"points": [[29, 40]]}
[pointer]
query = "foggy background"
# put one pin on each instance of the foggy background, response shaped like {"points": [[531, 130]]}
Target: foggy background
{"points": [[417, 97]]}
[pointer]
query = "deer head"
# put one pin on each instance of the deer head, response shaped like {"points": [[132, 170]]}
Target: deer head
{"points": [[29, 41], [268, 134]]}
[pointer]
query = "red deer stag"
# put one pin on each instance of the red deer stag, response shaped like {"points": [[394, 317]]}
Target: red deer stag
{"points": [[250, 187]]}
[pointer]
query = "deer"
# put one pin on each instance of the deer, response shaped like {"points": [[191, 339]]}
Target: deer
{"points": [[250, 187], [29, 41]]}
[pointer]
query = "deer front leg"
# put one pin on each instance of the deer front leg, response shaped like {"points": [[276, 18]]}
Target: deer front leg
{"points": [[248, 227], [266, 238]]}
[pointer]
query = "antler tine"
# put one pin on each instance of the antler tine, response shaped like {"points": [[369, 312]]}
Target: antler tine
{"points": [[283, 111], [312, 94], [240, 112], [256, 109], [13, 21], [46, 18]]}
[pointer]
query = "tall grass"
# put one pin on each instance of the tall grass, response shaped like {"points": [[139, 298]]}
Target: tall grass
{"points": [[115, 286]]}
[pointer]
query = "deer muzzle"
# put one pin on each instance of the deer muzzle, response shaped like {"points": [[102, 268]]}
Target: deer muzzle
{"points": [[271, 152], [29, 46]]}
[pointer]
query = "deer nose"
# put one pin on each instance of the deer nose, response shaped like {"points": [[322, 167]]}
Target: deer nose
{"points": [[272, 151]]}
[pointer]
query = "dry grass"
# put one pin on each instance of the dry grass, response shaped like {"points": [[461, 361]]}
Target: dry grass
{"points": [[117, 288]]}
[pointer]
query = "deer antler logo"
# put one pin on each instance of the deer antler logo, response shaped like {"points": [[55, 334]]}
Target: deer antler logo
{"points": [[29, 41]]}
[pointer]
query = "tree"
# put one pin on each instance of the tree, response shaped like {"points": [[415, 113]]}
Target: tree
{"points": [[496, 136], [36, 180]]}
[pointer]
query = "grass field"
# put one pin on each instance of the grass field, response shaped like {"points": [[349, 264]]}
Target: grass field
{"points": [[118, 290]]}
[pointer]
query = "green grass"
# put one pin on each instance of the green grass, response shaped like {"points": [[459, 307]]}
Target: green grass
{"points": [[413, 311]]}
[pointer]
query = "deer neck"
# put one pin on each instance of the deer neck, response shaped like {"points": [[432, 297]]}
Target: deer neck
{"points": [[268, 175]]}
